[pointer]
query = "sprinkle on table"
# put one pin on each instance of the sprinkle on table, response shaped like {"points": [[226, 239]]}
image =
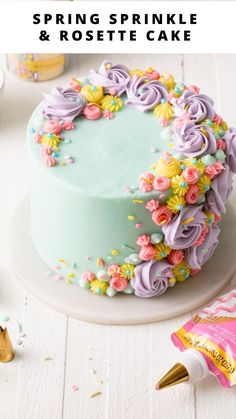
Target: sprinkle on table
{"points": [[95, 394], [138, 201], [131, 217]]}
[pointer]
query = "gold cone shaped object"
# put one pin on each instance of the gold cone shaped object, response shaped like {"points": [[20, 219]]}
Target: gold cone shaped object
{"points": [[6, 349], [176, 375]]}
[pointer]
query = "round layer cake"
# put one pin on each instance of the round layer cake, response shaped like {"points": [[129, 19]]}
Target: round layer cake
{"points": [[129, 176]]}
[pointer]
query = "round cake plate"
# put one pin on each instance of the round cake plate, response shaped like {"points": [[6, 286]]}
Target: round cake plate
{"points": [[120, 310]]}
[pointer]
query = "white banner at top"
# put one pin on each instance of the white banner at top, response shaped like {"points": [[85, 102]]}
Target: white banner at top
{"points": [[117, 26]]}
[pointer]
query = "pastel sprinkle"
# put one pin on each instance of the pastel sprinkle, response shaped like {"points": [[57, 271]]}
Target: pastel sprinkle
{"points": [[138, 225], [138, 201], [58, 277], [115, 252], [188, 220], [6, 319], [68, 281], [68, 141], [19, 342], [100, 262], [70, 275], [20, 328], [57, 267], [61, 260], [127, 246], [74, 265], [154, 149], [95, 394], [131, 217], [75, 387], [89, 257]]}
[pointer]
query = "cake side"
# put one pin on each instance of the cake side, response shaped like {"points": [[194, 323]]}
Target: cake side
{"points": [[137, 172]]}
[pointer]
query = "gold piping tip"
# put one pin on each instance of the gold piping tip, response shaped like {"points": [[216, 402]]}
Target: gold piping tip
{"points": [[6, 348], [176, 375]]}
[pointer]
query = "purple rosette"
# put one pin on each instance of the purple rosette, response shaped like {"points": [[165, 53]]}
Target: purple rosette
{"points": [[151, 278], [230, 151], [185, 228], [221, 188], [194, 140], [196, 105], [113, 78], [145, 96], [196, 256], [63, 104]]}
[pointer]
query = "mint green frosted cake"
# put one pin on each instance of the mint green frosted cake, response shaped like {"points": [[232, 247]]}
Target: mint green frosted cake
{"points": [[127, 170]]}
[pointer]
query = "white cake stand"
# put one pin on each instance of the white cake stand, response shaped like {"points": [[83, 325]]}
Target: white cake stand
{"points": [[82, 304]]}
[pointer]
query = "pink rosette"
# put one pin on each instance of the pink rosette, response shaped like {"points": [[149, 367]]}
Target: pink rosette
{"points": [[220, 144], [143, 240], [152, 205], [214, 169], [118, 283], [175, 257], [92, 112], [114, 270], [46, 150], [146, 182], [68, 125], [191, 175], [161, 183], [75, 84], [147, 252], [192, 195], [162, 216], [107, 114], [87, 276], [143, 95], [202, 237], [50, 161], [37, 138], [52, 126], [152, 75]]}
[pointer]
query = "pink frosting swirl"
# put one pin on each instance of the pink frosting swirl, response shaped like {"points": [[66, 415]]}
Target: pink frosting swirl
{"points": [[162, 216], [220, 144], [68, 125], [147, 252], [144, 96], [50, 161], [176, 256], [161, 183], [146, 182], [118, 283], [113, 270], [152, 205], [46, 150], [92, 111], [192, 195], [214, 169], [191, 175], [37, 138], [52, 126], [143, 240], [88, 276]]}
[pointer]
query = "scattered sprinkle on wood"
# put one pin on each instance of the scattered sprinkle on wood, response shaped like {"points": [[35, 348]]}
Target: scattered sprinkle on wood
{"points": [[48, 358], [94, 371], [95, 394]]}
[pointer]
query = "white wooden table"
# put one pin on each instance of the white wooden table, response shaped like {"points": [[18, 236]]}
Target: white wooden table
{"points": [[58, 352]]}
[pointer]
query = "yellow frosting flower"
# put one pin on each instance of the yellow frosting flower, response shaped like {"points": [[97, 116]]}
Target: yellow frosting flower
{"points": [[98, 287], [210, 217], [167, 166], [92, 94], [204, 184], [136, 72], [127, 270], [181, 271], [51, 140], [176, 203], [162, 251], [164, 111], [179, 185], [112, 103], [196, 163], [168, 80]]}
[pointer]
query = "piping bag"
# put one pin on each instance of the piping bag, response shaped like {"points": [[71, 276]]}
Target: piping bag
{"points": [[208, 345]]}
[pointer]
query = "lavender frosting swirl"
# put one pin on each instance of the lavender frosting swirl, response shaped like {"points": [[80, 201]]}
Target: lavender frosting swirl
{"points": [[221, 188], [151, 278], [145, 96], [63, 103], [180, 235], [230, 140], [197, 106], [111, 78], [196, 256], [194, 140]]}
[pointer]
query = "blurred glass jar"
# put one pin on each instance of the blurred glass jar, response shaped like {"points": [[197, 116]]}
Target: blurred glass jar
{"points": [[36, 67]]}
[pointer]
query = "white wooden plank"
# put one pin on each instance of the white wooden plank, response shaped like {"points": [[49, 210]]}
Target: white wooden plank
{"points": [[41, 376], [129, 366], [86, 368]]}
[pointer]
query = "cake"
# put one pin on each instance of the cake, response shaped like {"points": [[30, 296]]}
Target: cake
{"points": [[129, 175]]}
